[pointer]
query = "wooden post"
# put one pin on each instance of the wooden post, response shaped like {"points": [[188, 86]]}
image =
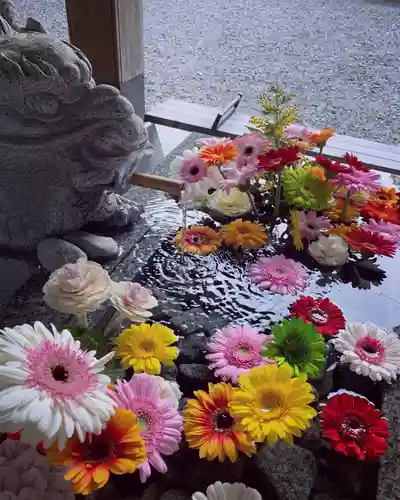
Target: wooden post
{"points": [[110, 33]]}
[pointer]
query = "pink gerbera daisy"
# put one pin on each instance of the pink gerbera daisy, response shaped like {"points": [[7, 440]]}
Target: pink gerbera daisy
{"points": [[388, 230], [279, 274], [160, 423], [250, 145], [235, 350], [311, 225], [357, 180]]}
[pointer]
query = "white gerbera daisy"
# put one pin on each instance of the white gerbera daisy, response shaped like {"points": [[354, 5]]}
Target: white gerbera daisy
{"points": [[50, 387], [371, 351], [227, 491]]}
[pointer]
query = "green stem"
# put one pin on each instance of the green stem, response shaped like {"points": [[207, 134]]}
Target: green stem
{"points": [[278, 195], [253, 205], [345, 207]]}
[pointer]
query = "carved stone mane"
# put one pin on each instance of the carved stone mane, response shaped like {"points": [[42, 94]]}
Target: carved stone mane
{"points": [[65, 143]]}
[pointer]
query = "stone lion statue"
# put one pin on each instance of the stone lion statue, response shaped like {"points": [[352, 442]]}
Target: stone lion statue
{"points": [[67, 145]]}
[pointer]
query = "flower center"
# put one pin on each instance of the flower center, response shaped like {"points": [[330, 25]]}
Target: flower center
{"points": [[147, 346], [294, 349], [270, 400], [60, 373], [248, 150], [143, 420], [371, 350], [223, 421], [197, 239], [318, 316], [353, 427], [98, 450], [243, 356], [194, 170]]}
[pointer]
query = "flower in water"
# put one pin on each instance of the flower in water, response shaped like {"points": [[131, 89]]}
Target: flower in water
{"points": [[342, 229], [354, 162], [302, 189], [210, 427], [354, 426], [320, 137], [246, 168], [317, 173], [370, 351], [357, 180], [279, 274], [234, 350], [77, 288], [380, 211], [50, 386], [160, 424], [144, 347], [193, 172], [169, 390], [329, 250], [198, 239], [227, 491], [244, 234], [26, 474], [299, 345], [335, 212], [271, 404], [119, 449], [275, 160], [388, 230], [311, 225], [232, 204], [251, 145], [323, 314], [132, 300], [365, 241], [218, 153], [387, 196]]}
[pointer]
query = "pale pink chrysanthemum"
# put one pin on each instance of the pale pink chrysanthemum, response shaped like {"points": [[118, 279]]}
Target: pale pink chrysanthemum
{"points": [[297, 131], [50, 387], [279, 274], [311, 225], [357, 180], [159, 422], [251, 145], [386, 229], [235, 350]]}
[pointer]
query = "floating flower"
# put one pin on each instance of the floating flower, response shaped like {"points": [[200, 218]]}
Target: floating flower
{"points": [[371, 351], [323, 314], [318, 173], [365, 241], [357, 199], [210, 427], [298, 344], [354, 426], [132, 300], [77, 288], [234, 350], [387, 196], [388, 230], [295, 230], [50, 386], [26, 474], [320, 137], [195, 175], [342, 229], [356, 180], [232, 204], [378, 210], [169, 390], [198, 239], [159, 422], [272, 404], [226, 491], [276, 159], [244, 170], [329, 251], [305, 191], [354, 162], [144, 347], [119, 449], [244, 234], [311, 225], [335, 212], [218, 154], [279, 274], [330, 166], [251, 145]]}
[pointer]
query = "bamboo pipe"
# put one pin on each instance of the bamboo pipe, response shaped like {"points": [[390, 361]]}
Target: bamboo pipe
{"points": [[170, 186]]}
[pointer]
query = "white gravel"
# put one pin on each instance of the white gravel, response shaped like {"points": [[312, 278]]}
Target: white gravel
{"points": [[340, 56]]}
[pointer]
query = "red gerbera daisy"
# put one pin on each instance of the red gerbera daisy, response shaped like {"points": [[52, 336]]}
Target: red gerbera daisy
{"points": [[275, 159], [363, 240], [330, 166], [379, 211], [326, 317], [354, 162], [354, 426]]}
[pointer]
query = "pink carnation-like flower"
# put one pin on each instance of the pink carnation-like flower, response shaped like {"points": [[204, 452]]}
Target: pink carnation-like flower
{"points": [[235, 350], [311, 225], [160, 423], [279, 274], [388, 230], [357, 180]]}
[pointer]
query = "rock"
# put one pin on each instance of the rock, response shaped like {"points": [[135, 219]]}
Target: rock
{"points": [[14, 273], [186, 322], [175, 495], [290, 469], [53, 253], [96, 247], [192, 349], [169, 372], [192, 377]]}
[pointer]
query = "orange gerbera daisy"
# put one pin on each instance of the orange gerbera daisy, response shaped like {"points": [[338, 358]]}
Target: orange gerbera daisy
{"points": [[342, 229], [118, 449], [321, 136], [386, 196], [244, 234], [380, 211], [219, 153], [336, 211], [318, 173], [210, 427], [198, 239]]}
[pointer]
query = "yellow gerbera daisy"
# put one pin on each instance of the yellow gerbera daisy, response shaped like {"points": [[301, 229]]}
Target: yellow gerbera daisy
{"points": [[245, 234], [210, 427], [144, 347], [342, 229], [198, 239], [272, 404], [388, 196]]}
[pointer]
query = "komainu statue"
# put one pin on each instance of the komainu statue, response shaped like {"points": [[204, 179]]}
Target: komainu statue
{"points": [[67, 145]]}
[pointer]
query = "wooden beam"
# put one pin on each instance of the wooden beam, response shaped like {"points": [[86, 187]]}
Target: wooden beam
{"points": [[110, 33]]}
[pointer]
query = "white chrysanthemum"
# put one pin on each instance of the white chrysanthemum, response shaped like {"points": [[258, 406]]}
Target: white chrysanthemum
{"points": [[227, 491], [132, 300], [50, 387], [369, 350]]}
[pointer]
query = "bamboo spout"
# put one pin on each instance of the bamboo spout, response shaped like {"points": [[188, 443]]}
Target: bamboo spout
{"points": [[170, 186]]}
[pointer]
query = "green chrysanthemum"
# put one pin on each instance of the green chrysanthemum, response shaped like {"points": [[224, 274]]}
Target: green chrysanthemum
{"points": [[304, 190], [299, 345]]}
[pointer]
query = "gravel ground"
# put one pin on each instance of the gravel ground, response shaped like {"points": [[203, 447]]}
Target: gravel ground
{"points": [[341, 57]]}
